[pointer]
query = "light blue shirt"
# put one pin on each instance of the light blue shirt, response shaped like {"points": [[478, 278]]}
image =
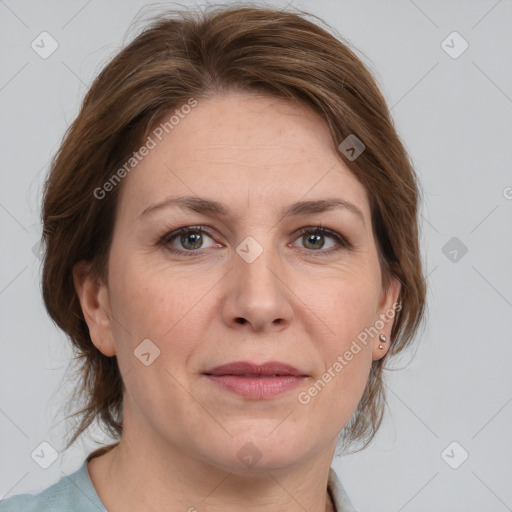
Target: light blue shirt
{"points": [[75, 493]]}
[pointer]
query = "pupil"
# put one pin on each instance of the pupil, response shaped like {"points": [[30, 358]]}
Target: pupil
{"points": [[193, 239], [315, 238]]}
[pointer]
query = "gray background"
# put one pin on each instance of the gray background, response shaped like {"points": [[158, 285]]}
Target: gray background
{"points": [[454, 115]]}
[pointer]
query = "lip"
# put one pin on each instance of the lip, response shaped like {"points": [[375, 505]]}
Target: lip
{"points": [[244, 368], [255, 381]]}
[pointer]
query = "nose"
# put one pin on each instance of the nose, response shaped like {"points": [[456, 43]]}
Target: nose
{"points": [[257, 295]]}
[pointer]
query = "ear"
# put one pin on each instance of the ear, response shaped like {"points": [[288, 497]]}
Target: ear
{"points": [[386, 316], [93, 297]]}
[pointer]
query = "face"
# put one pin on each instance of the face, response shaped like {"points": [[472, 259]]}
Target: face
{"points": [[238, 271]]}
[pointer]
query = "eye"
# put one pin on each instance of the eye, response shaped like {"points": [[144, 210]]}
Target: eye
{"points": [[187, 241], [190, 240], [314, 239]]}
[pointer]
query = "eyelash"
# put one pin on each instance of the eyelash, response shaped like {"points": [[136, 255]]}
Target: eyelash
{"points": [[342, 242]]}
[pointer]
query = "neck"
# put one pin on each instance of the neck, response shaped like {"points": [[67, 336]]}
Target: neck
{"points": [[183, 484]]}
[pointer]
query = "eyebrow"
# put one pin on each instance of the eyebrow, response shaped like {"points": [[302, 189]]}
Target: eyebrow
{"points": [[209, 206]]}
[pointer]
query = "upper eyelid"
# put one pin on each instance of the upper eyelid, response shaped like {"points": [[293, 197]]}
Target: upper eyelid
{"points": [[176, 232]]}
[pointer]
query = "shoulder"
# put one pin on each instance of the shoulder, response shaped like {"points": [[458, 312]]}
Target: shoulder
{"points": [[71, 492], [25, 503]]}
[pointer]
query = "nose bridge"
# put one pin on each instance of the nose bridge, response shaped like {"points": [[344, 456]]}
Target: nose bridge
{"points": [[257, 268], [257, 293]]}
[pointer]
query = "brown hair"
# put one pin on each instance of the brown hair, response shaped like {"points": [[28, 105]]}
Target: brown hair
{"points": [[198, 54]]}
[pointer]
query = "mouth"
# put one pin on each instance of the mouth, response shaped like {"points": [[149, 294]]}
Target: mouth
{"points": [[254, 381]]}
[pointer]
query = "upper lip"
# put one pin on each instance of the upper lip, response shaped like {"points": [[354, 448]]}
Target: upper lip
{"points": [[252, 369]]}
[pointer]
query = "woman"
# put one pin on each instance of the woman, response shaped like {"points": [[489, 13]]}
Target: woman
{"points": [[232, 247]]}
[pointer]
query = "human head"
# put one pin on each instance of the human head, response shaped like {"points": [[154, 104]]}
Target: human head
{"points": [[193, 56]]}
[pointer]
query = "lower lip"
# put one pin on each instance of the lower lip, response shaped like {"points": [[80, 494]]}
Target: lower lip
{"points": [[257, 388]]}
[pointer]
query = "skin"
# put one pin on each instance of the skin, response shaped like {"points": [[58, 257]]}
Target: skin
{"points": [[182, 433]]}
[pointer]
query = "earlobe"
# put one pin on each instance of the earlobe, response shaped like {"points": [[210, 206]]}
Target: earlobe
{"points": [[93, 297], [387, 313]]}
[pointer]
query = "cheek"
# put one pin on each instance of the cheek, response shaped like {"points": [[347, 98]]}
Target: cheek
{"points": [[348, 309], [348, 352], [347, 303], [334, 394], [150, 304]]}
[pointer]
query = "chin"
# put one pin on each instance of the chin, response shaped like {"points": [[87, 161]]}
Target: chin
{"points": [[262, 449]]}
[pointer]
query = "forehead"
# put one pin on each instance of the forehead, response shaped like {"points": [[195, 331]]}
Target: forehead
{"points": [[242, 148]]}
